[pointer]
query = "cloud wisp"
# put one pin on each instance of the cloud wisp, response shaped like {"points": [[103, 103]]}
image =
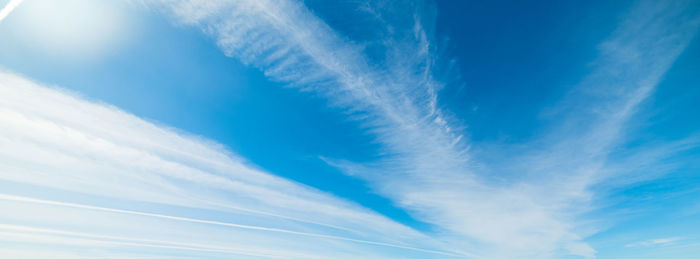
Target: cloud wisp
{"points": [[211, 222], [654, 242], [427, 167], [91, 168], [7, 9]]}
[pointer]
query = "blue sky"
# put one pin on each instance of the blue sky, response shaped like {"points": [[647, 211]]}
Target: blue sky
{"points": [[349, 129]]}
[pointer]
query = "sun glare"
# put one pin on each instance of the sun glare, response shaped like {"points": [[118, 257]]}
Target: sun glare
{"points": [[71, 29]]}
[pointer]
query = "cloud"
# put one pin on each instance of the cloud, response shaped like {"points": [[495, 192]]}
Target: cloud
{"points": [[385, 79], [11, 5], [654, 242], [210, 222], [69, 164], [14, 233]]}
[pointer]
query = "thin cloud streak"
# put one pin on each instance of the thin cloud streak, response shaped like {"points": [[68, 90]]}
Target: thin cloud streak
{"points": [[655, 242], [10, 231], [211, 222], [5, 11]]}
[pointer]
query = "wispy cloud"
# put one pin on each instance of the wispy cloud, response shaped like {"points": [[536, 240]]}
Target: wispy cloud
{"points": [[427, 166], [15, 233], [11, 5], [91, 168], [654, 242], [209, 222]]}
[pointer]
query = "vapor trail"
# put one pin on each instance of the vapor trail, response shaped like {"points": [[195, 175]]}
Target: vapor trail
{"points": [[219, 223]]}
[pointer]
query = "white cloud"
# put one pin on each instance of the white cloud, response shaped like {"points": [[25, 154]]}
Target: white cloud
{"points": [[7, 9], [427, 167], [72, 165], [654, 242]]}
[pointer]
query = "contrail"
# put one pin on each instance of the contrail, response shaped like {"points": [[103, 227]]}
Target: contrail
{"points": [[11, 230], [8, 8], [14, 230], [219, 223]]}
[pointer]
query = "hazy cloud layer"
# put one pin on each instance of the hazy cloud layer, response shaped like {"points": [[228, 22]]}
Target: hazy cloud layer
{"points": [[70, 165]]}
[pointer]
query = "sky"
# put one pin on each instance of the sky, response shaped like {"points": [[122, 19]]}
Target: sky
{"points": [[349, 129]]}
